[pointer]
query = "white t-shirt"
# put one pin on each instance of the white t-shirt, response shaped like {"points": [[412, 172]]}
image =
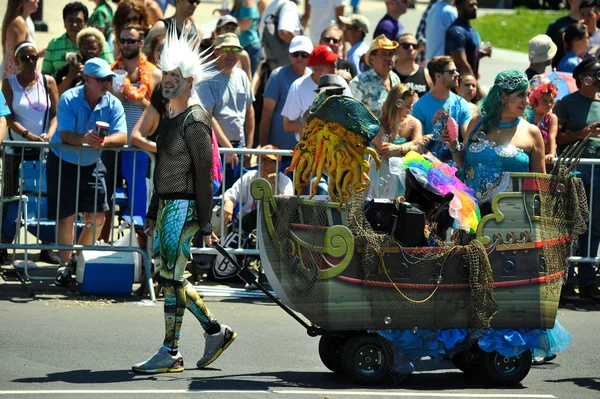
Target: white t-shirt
{"points": [[240, 191], [322, 14], [301, 96], [288, 17]]}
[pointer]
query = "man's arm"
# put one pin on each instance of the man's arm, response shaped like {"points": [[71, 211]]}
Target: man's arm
{"points": [[265, 121], [249, 124], [291, 126], [460, 59], [2, 128], [145, 127], [306, 16]]}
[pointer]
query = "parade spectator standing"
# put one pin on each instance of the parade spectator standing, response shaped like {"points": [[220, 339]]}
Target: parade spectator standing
{"points": [[421, 31], [274, 98], [541, 52], [247, 16], [181, 204], [229, 24], [78, 111], [332, 36], [372, 86], [101, 18], [17, 27], [228, 98], [90, 42], [302, 92], [319, 14], [462, 40], [75, 18], [277, 27], [577, 41], [444, 76], [541, 101], [355, 31], [415, 76], [4, 112], [390, 24], [442, 15], [129, 12], [588, 12], [184, 9], [32, 99], [142, 78], [557, 28], [579, 115]]}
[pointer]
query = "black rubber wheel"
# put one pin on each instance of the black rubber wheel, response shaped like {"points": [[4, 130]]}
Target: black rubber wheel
{"points": [[330, 351], [507, 370], [367, 359], [470, 361]]}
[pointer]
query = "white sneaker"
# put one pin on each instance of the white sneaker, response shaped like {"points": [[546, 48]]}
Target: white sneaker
{"points": [[215, 344]]}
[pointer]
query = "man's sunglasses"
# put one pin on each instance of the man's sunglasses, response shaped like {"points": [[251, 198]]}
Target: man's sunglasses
{"points": [[230, 50], [102, 80], [331, 39], [302, 54], [129, 41], [29, 58], [407, 46], [194, 2]]}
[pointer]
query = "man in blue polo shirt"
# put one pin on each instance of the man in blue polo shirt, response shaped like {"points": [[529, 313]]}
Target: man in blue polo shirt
{"points": [[78, 111]]}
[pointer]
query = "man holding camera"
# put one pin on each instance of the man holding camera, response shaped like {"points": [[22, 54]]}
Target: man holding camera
{"points": [[78, 173]]}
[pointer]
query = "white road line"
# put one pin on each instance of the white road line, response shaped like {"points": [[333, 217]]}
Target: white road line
{"points": [[340, 392]]}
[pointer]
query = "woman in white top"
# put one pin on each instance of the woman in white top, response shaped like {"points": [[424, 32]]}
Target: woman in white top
{"points": [[32, 99], [17, 27]]}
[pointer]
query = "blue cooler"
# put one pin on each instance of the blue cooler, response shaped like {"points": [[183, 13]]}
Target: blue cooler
{"points": [[105, 272]]}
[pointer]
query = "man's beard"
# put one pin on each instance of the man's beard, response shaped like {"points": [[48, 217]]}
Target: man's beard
{"points": [[173, 93], [130, 55]]}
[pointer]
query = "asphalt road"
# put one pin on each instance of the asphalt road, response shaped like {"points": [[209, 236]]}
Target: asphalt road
{"points": [[63, 348]]}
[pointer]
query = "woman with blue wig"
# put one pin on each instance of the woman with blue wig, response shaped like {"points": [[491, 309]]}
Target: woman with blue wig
{"points": [[499, 140]]}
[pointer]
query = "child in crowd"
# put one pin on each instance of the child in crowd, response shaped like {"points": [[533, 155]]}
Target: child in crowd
{"points": [[541, 100]]}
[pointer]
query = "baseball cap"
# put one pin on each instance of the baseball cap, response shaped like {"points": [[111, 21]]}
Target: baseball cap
{"points": [[227, 19], [329, 82], [272, 157], [97, 67], [360, 21], [381, 42], [541, 49], [588, 64], [227, 40], [322, 54], [301, 43]]}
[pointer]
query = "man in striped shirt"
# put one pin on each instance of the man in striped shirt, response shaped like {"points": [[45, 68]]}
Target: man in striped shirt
{"points": [[75, 18]]}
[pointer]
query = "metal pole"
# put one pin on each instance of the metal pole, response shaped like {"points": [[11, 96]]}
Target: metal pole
{"points": [[38, 18]]}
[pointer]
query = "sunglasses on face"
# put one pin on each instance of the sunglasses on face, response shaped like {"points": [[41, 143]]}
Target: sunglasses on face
{"points": [[129, 41], [331, 39], [407, 46], [194, 2], [451, 71], [29, 58], [230, 50], [102, 80], [300, 54]]}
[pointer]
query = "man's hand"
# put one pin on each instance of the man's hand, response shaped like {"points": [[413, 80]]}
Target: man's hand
{"points": [[149, 226], [75, 71], [232, 159], [92, 139], [209, 240], [35, 138], [485, 50], [441, 114], [594, 129], [549, 158]]}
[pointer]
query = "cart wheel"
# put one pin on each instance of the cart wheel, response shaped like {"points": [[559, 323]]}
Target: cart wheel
{"points": [[470, 361], [367, 359], [330, 351], [507, 370]]}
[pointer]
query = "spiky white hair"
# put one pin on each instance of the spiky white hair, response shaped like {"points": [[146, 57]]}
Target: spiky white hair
{"points": [[183, 52]]}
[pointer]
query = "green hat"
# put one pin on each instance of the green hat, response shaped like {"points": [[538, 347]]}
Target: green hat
{"points": [[347, 111]]}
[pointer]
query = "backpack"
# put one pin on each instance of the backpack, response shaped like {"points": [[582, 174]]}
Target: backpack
{"points": [[276, 50]]}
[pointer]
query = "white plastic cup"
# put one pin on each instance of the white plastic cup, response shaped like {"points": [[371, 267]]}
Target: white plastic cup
{"points": [[102, 128], [119, 80]]}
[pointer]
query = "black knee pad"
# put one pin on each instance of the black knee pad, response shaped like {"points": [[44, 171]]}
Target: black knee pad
{"points": [[169, 283]]}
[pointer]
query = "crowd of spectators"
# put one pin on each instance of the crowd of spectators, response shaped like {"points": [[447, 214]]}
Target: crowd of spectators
{"points": [[264, 76]]}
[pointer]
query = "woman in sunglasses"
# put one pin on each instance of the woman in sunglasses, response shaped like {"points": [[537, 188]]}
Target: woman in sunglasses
{"points": [[32, 99], [17, 27]]}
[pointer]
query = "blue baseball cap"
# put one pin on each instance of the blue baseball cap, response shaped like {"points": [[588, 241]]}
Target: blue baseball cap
{"points": [[97, 67]]}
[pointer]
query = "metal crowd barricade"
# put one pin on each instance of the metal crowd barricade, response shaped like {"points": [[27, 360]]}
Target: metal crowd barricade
{"points": [[222, 228], [23, 214]]}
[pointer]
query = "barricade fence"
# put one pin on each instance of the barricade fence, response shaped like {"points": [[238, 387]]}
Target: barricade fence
{"points": [[32, 189]]}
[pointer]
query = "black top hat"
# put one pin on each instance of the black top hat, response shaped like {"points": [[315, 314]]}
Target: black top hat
{"points": [[330, 82]]}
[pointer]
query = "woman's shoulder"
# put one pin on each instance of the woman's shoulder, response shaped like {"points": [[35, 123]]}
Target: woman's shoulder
{"points": [[17, 25]]}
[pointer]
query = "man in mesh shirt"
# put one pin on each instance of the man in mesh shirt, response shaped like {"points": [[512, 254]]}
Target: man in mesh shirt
{"points": [[181, 204]]}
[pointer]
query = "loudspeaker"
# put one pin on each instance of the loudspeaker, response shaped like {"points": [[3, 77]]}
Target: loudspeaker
{"points": [[410, 225]]}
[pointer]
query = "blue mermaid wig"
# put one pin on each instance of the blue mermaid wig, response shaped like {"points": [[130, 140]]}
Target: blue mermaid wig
{"points": [[509, 82]]}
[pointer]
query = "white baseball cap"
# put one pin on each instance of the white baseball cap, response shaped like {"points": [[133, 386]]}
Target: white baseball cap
{"points": [[301, 43]]}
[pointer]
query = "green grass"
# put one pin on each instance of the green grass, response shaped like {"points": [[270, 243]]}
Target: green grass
{"points": [[513, 31]]}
